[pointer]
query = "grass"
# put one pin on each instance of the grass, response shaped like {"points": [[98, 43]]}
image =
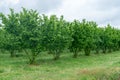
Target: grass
{"points": [[94, 67]]}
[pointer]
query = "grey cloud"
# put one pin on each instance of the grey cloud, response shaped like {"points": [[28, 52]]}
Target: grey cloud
{"points": [[106, 4], [40, 5], [101, 11], [106, 11], [112, 7]]}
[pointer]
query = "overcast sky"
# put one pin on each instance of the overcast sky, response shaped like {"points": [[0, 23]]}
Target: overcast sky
{"points": [[101, 11]]}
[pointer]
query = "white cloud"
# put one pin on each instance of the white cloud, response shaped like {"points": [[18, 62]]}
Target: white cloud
{"points": [[8, 2], [43, 6], [101, 11], [96, 10]]}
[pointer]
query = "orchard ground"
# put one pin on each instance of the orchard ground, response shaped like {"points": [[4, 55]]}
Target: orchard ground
{"points": [[93, 67]]}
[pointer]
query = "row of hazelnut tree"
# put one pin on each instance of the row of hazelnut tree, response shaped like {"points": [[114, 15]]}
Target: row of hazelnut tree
{"points": [[33, 33]]}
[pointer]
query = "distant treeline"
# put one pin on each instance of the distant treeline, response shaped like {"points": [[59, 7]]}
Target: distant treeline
{"points": [[33, 33]]}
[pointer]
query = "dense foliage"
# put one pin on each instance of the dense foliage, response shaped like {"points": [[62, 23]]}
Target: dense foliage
{"points": [[33, 33], [55, 35]]}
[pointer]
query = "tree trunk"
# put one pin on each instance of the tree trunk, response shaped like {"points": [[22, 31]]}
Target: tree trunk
{"points": [[104, 51], [75, 53], [87, 52], [56, 55], [12, 53], [110, 50], [32, 60], [31, 56], [97, 51]]}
